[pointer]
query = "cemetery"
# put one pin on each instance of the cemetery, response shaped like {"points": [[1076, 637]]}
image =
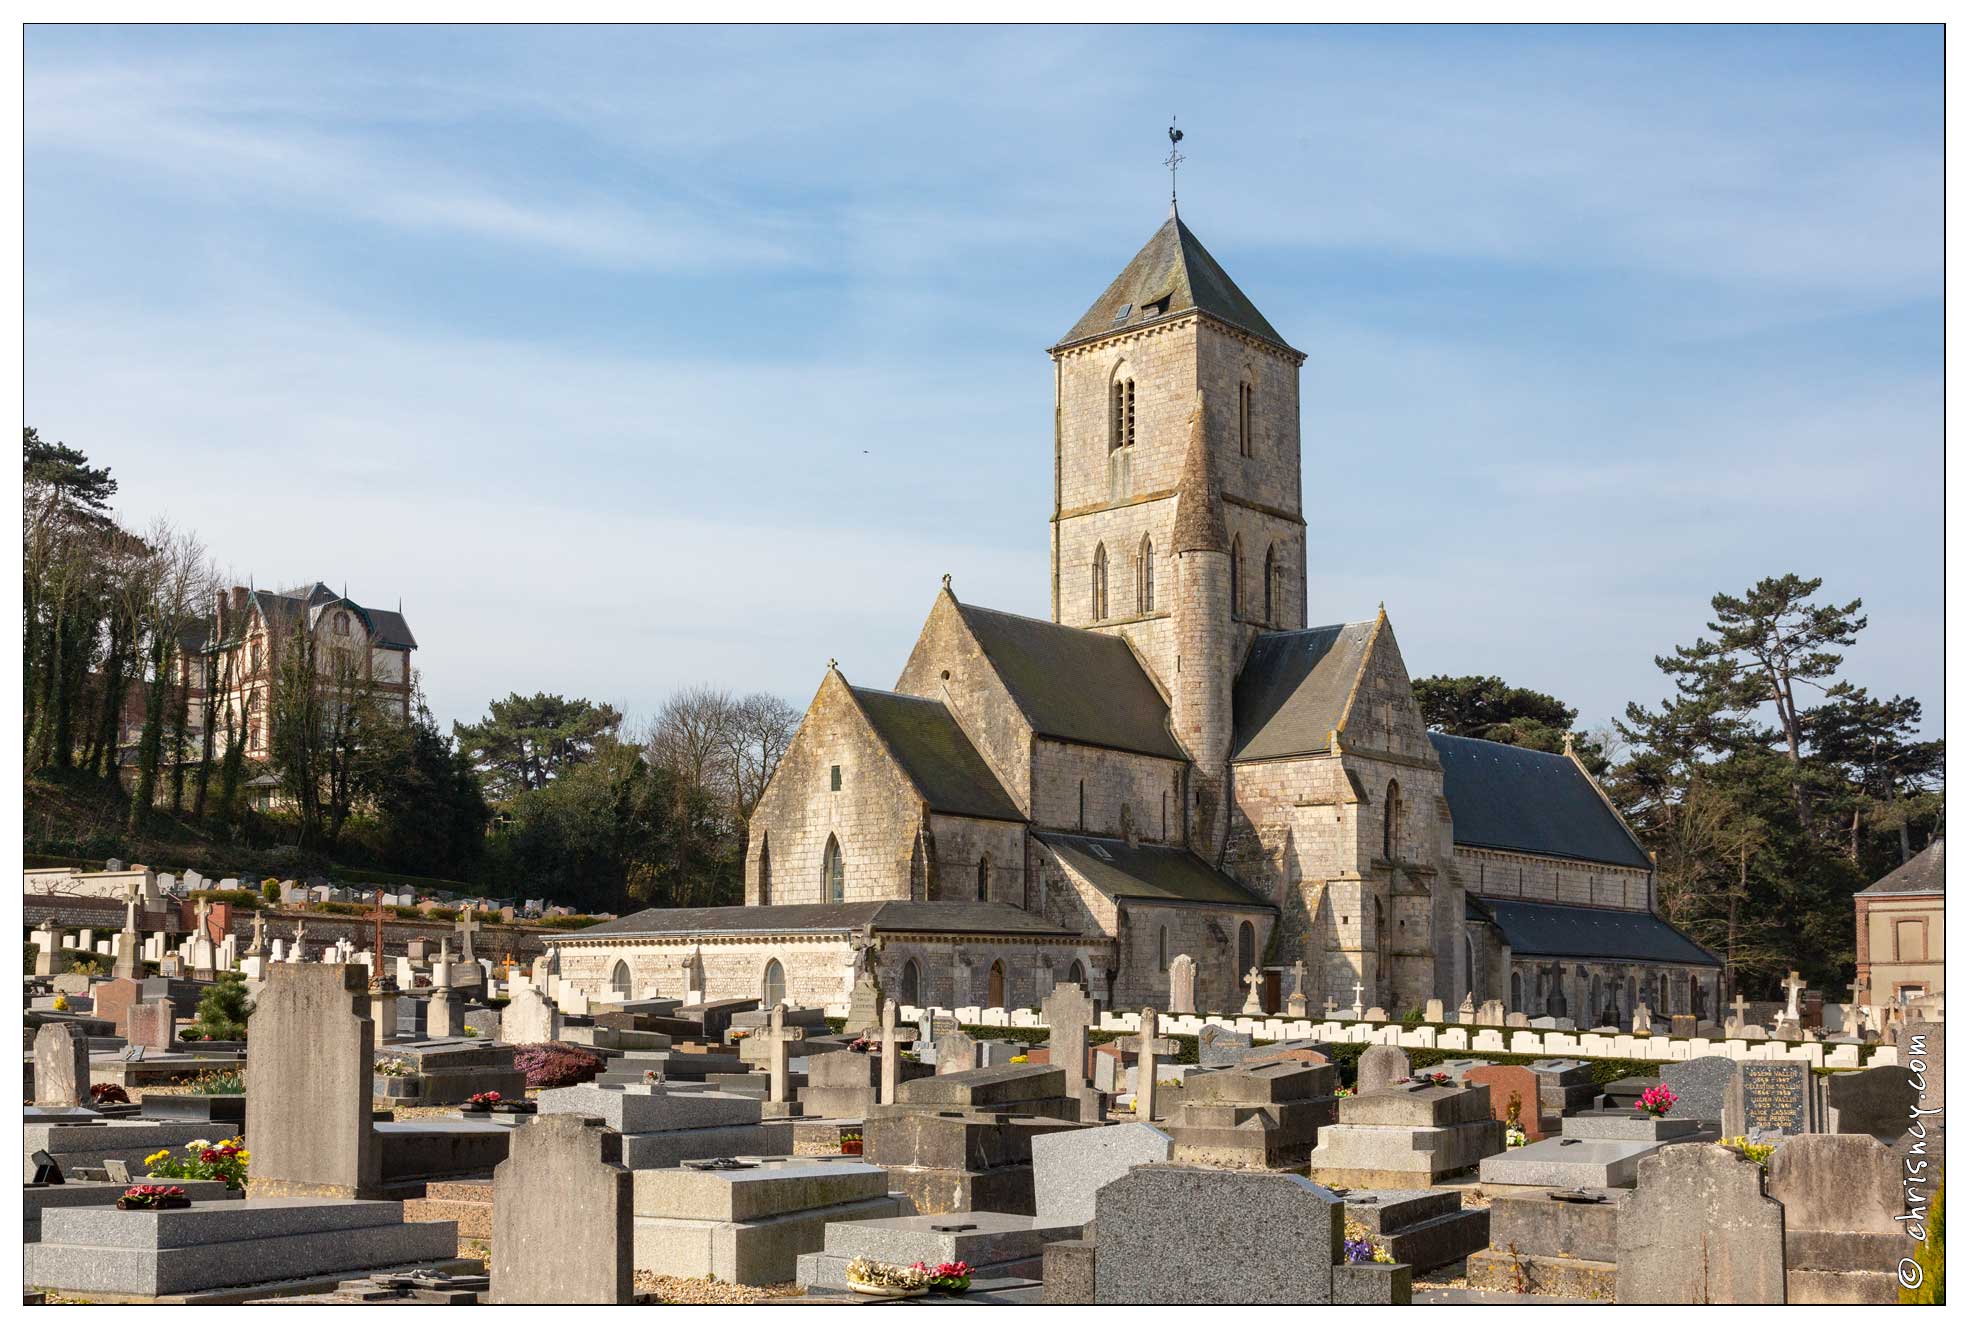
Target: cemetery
{"points": [[358, 1142]]}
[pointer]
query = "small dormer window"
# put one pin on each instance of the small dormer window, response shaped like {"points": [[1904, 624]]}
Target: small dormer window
{"points": [[1156, 308], [1121, 314], [342, 623]]}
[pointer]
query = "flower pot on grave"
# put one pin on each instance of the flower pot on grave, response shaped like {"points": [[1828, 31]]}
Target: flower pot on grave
{"points": [[888, 1293], [851, 1146]]}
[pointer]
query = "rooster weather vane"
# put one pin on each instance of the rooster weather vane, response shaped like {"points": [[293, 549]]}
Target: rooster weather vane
{"points": [[1173, 160]]}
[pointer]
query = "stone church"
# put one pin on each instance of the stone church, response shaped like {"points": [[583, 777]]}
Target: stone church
{"points": [[1175, 763]]}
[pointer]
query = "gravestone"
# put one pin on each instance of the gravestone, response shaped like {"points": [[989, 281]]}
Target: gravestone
{"points": [[1217, 1045], [1069, 1168], [1842, 1238], [1182, 985], [1170, 1235], [1698, 1230], [1067, 1012], [1770, 1096], [563, 1217], [529, 1018], [956, 1051], [1505, 1084], [1381, 1066], [1432, 1011], [1703, 1087], [114, 997], [61, 1067], [151, 1024], [308, 1085]]}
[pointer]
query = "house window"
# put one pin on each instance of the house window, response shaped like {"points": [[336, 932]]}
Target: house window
{"points": [[834, 777], [342, 623], [1121, 427], [1910, 939], [1237, 574], [833, 883], [984, 877], [1145, 582], [1244, 396], [1100, 584], [773, 989]]}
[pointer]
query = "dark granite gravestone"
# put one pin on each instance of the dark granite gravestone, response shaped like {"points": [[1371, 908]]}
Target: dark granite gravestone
{"points": [[1703, 1087], [1771, 1096], [1877, 1102], [1217, 1045]]}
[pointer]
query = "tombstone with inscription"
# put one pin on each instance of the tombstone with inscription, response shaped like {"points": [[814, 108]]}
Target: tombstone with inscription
{"points": [[1772, 1098], [1182, 985]]}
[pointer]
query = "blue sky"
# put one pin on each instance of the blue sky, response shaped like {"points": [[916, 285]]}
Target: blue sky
{"points": [[634, 358]]}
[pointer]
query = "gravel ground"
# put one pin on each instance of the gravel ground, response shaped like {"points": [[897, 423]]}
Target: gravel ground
{"points": [[709, 1291]]}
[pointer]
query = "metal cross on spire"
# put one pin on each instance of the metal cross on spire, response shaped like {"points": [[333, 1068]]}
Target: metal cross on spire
{"points": [[1172, 161]]}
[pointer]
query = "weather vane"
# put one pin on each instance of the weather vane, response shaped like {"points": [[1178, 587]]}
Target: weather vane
{"points": [[1173, 160]]}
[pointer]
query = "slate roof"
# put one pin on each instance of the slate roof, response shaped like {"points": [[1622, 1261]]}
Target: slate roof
{"points": [[1505, 797], [1075, 684], [883, 915], [283, 607], [1173, 266], [1292, 692], [1920, 875], [933, 749], [1576, 932], [1122, 871]]}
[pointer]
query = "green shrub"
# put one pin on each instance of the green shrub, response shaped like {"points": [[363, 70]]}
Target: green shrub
{"points": [[1928, 1259], [224, 1009]]}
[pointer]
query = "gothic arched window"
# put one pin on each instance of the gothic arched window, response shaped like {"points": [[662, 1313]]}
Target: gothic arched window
{"points": [[765, 868], [773, 989], [1145, 583], [1237, 574], [1121, 427], [618, 979], [984, 876], [995, 985], [1076, 974], [912, 984], [832, 880], [1247, 950], [1100, 583], [1271, 574]]}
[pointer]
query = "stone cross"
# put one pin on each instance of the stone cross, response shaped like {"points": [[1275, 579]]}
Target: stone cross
{"points": [[1854, 1019], [1331, 1005], [1252, 1004], [1741, 1007], [1145, 1068], [1298, 978], [1358, 989], [130, 914], [465, 928], [377, 977], [204, 914], [891, 1052], [1067, 1012], [259, 946], [1793, 985], [776, 1054]]}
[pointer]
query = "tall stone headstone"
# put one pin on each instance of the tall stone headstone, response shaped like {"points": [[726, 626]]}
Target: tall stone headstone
{"points": [[443, 1016], [61, 1067], [1380, 1066], [129, 944], [864, 1004], [1146, 1082], [48, 949], [1698, 1230], [1182, 986], [891, 1053], [309, 1082], [1842, 1233], [1170, 1235], [1067, 1013], [563, 1216]]}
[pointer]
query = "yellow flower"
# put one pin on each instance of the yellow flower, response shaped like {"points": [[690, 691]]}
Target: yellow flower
{"points": [[157, 1158]]}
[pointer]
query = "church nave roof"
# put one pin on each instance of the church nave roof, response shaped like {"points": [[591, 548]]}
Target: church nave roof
{"points": [[1505, 797], [1122, 871], [926, 738], [1292, 692]]}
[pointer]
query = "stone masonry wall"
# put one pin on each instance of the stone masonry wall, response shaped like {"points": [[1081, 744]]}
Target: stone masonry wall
{"points": [[875, 816], [960, 845], [1510, 876], [1149, 789], [946, 664]]}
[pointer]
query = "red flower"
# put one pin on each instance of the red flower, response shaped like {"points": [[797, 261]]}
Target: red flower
{"points": [[209, 1156]]}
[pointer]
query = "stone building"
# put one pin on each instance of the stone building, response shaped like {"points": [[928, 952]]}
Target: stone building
{"points": [[1175, 763], [1898, 932]]}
